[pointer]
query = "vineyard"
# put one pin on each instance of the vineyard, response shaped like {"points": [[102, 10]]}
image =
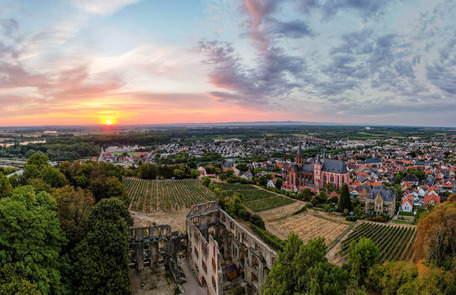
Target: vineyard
{"points": [[394, 242], [255, 199], [165, 195], [310, 225]]}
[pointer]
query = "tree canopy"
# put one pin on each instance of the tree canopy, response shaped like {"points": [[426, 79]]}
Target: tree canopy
{"points": [[31, 238], [101, 259], [436, 238], [304, 269]]}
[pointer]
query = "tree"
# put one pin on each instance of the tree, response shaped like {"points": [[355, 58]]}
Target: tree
{"points": [[306, 194], [278, 183], [103, 187], [436, 237], [304, 269], [194, 173], [263, 180], [31, 238], [53, 176], [362, 256], [101, 259], [5, 186], [403, 277], [178, 173], [329, 187], [13, 282], [322, 197], [206, 181], [242, 167], [73, 208], [344, 200]]}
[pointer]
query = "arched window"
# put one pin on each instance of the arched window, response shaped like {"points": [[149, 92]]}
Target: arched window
{"points": [[332, 178], [324, 178]]}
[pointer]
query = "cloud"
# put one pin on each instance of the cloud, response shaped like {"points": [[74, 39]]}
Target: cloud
{"points": [[365, 8], [442, 77], [103, 7], [291, 29], [269, 79], [9, 26]]}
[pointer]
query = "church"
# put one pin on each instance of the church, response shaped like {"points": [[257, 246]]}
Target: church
{"points": [[323, 171]]}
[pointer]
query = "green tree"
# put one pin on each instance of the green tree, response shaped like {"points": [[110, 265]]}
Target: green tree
{"points": [[306, 194], [35, 164], [278, 183], [101, 259], [206, 181], [178, 173], [362, 256], [242, 167], [344, 200], [103, 187], [13, 282], [53, 176], [263, 180], [5, 186], [73, 208], [31, 238], [304, 269]]}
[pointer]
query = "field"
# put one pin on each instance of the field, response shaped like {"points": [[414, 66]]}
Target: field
{"points": [[394, 242], [165, 195], [255, 199], [306, 225]]}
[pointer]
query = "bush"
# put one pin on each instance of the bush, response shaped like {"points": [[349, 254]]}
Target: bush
{"points": [[378, 218], [244, 213], [300, 210], [351, 218], [309, 205], [257, 221]]}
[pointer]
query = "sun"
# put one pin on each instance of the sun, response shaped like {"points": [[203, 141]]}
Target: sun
{"points": [[108, 122]]}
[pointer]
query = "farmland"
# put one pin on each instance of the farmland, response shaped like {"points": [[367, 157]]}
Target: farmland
{"points": [[307, 225], [394, 242], [255, 199], [165, 195]]}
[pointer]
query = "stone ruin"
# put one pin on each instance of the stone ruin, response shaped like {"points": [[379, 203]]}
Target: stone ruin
{"points": [[155, 247], [213, 239]]}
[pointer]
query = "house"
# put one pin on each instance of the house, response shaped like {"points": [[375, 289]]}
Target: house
{"points": [[380, 201], [407, 203], [270, 183], [364, 192], [431, 199], [410, 179], [447, 187]]}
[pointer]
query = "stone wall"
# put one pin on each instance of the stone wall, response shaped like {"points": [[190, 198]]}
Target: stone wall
{"points": [[213, 235]]}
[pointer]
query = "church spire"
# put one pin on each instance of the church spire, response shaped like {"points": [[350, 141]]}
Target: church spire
{"points": [[299, 156]]}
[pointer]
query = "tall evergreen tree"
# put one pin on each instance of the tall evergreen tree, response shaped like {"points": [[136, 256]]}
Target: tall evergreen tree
{"points": [[344, 201], [101, 259]]}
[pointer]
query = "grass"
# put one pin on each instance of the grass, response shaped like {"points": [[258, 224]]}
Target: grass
{"points": [[401, 221], [406, 213]]}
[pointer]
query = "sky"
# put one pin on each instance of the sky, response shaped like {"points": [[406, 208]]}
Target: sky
{"points": [[372, 62]]}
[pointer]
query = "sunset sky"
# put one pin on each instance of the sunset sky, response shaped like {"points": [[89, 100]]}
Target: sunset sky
{"points": [[167, 61]]}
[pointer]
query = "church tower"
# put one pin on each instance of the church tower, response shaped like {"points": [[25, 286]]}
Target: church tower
{"points": [[317, 171], [299, 156]]}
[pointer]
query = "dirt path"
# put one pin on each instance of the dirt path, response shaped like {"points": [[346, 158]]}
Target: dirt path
{"points": [[175, 219], [149, 282]]}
